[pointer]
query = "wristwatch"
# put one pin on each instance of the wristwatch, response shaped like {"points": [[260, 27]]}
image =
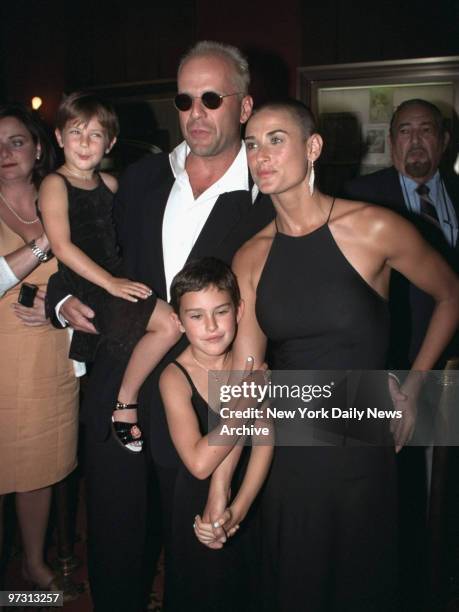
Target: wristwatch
{"points": [[41, 255]]}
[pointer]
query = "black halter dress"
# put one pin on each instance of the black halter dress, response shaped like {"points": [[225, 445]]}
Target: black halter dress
{"points": [[328, 512]]}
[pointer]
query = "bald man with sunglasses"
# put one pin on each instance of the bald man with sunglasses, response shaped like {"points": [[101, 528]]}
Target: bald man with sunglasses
{"points": [[197, 201]]}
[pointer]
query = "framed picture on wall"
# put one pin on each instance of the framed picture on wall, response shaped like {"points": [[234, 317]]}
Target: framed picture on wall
{"points": [[364, 96]]}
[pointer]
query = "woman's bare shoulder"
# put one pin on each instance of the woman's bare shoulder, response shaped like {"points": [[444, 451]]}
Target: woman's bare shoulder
{"points": [[364, 216], [256, 247]]}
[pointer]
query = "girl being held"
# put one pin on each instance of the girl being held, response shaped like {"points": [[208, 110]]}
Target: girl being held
{"points": [[76, 206]]}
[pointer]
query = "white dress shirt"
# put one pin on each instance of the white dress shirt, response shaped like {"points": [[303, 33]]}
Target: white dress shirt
{"points": [[185, 216]]}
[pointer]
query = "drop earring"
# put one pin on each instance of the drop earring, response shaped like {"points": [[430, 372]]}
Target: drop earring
{"points": [[311, 179]]}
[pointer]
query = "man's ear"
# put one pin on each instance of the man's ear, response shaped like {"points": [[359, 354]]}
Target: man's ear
{"points": [[240, 311], [246, 108], [58, 135], [177, 322]]}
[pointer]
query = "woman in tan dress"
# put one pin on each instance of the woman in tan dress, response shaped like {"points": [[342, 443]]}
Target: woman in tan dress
{"points": [[38, 388]]}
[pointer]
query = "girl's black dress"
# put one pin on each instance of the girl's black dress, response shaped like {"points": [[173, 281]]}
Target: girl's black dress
{"points": [[120, 323], [201, 579]]}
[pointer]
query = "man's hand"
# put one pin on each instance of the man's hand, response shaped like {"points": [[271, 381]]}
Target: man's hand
{"points": [[34, 316], [78, 315]]}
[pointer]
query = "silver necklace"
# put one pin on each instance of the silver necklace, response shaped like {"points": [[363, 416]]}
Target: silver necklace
{"points": [[75, 174], [212, 372], [18, 217]]}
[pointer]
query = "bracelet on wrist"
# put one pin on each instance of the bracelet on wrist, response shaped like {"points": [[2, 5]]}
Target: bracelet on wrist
{"points": [[40, 254]]}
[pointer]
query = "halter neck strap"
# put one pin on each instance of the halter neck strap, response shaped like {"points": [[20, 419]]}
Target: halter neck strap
{"points": [[326, 222], [330, 211]]}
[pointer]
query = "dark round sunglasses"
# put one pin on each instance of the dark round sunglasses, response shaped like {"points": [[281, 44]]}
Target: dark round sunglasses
{"points": [[210, 99]]}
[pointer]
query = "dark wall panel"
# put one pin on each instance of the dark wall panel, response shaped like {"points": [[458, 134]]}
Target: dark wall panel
{"points": [[50, 46], [339, 31]]}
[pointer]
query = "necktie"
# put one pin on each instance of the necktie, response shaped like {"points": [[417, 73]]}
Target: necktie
{"points": [[427, 208]]}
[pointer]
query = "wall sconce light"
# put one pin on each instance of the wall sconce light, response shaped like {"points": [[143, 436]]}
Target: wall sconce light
{"points": [[36, 102]]}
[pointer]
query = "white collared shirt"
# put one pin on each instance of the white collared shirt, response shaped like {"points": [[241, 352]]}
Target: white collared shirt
{"points": [[185, 216]]}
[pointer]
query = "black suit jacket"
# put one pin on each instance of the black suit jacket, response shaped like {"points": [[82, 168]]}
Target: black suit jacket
{"points": [[138, 210], [410, 308]]}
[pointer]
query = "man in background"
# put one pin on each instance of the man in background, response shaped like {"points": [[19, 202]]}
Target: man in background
{"points": [[415, 188]]}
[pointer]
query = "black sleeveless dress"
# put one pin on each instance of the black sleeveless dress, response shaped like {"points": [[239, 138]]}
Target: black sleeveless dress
{"points": [[120, 323], [328, 513], [201, 579]]}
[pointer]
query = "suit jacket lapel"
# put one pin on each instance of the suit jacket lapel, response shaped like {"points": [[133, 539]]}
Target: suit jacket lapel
{"points": [[144, 257], [451, 182], [228, 210], [394, 192], [156, 258]]}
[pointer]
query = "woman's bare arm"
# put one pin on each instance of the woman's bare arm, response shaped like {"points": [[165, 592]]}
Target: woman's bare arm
{"points": [[408, 253], [22, 261]]}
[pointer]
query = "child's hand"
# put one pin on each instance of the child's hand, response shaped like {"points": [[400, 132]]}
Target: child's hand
{"points": [[230, 520], [205, 534], [127, 289], [259, 377]]}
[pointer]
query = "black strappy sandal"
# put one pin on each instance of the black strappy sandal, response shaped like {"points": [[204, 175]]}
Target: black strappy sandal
{"points": [[125, 433]]}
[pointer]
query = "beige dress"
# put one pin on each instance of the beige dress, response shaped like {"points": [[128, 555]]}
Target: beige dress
{"points": [[38, 392]]}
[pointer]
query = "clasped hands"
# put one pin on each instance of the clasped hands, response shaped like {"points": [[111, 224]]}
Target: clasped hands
{"points": [[214, 533], [221, 520]]}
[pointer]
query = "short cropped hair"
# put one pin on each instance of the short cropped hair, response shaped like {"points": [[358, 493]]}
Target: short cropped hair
{"points": [[297, 110], [81, 106], [438, 118], [205, 48], [38, 131], [200, 274]]}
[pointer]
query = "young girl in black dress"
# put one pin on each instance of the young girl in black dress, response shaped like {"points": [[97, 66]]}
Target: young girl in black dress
{"points": [[76, 205], [205, 297]]}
